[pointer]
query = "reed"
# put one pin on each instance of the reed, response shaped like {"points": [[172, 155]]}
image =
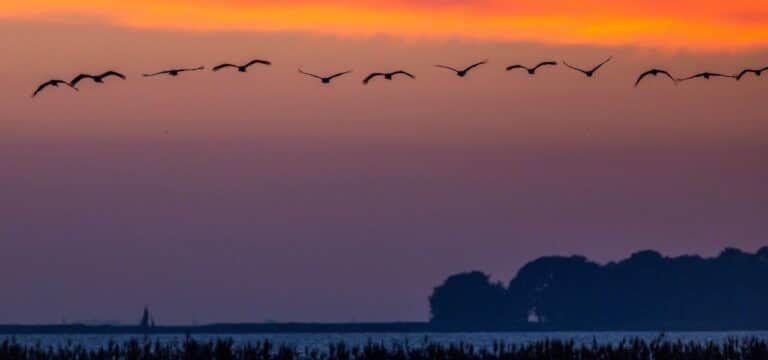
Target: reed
{"points": [[227, 349]]}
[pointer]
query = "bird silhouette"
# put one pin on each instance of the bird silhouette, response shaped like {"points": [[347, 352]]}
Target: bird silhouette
{"points": [[241, 68], [325, 80], [463, 73], [589, 73], [707, 76], [174, 72], [757, 72], [654, 72], [388, 76], [54, 83], [533, 69], [96, 78]]}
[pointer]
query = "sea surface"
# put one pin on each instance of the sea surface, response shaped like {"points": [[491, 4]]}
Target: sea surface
{"points": [[322, 341]]}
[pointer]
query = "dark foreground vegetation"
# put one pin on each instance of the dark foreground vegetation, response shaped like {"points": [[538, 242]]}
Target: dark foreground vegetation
{"points": [[224, 349]]}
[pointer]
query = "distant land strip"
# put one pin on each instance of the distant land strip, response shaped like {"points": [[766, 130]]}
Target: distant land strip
{"points": [[295, 328], [243, 328]]}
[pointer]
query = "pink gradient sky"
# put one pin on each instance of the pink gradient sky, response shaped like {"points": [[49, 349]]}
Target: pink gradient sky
{"points": [[230, 197]]}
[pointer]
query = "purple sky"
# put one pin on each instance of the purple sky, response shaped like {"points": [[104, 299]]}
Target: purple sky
{"points": [[272, 197]]}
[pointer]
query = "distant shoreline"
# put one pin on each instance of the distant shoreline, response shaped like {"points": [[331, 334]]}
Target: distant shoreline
{"points": [[245, 328], [298, 328]]}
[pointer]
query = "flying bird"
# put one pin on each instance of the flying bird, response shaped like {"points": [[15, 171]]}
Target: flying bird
{"points": [[96, 78], [753, 71], [54, 83], [655, 72], [463, 73], [174, 72], [533, 69], [589, 73], [241, 68], [388, 76], [325, 80], [707, 76]]}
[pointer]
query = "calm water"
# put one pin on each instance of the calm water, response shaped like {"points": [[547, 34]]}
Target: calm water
{"points": [[321, 341]]}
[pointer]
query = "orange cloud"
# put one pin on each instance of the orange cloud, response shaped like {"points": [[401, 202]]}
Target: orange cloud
{"points": [[705, 24]]}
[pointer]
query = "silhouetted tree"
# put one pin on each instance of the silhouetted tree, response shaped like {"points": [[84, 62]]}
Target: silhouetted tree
{"points": [[644, 292], [469, 301]]}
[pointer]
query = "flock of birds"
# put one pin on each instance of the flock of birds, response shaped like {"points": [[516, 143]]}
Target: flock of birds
{"points": [[390, 75]]}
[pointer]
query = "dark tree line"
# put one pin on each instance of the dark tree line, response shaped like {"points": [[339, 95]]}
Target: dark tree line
{"points": [[643, 292]]}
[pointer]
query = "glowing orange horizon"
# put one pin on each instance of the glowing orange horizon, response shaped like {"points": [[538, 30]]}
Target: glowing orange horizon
{"points": [[685, 24]]}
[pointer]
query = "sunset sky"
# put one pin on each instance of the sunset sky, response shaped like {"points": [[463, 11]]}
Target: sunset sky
{"points": [[691, 24], [223, 197]]}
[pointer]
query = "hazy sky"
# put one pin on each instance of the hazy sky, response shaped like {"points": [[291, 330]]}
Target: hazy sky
{"points": [[266, 195]]}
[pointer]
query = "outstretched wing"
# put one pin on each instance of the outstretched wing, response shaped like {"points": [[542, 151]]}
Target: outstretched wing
{"points": [[545, 63], [721, 75], [193, 69], [222, 66], [601, 64], [112, 73], [642, 76], [157, 73], [312, 75], [747, 71], [690, 77], [50, 83], [404, 73], [339, 74], [371, 76], [698, 76], [257, 61], [42, 86], [512, 67], [446, 67], [574, 68], [470, 67], [667, 74], [79, 78]]}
